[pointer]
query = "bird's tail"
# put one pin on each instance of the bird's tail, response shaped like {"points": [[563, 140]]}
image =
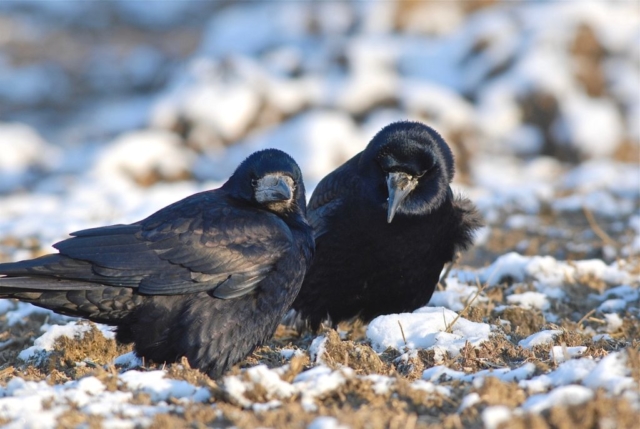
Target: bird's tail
{"points": [[49, 266], [98, 303]]}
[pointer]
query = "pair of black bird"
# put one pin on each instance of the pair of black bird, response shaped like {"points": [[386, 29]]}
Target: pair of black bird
{"points": [[210, 277]]}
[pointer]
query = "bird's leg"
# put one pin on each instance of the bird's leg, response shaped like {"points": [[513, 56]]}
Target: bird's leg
{"points": [[442, 283]]}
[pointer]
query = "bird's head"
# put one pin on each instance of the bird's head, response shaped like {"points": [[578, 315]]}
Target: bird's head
{"points": [[412, 167], [271, 179]]}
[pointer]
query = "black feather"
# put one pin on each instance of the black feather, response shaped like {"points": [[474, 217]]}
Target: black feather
{"points": [[365, 265], [208, 277]]}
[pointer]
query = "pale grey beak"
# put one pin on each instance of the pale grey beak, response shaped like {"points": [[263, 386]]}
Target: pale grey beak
{"points": [[400, 186], [274, 188]]}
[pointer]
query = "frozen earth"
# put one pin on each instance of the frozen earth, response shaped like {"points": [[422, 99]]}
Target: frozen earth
{"points": [[537, 326]]}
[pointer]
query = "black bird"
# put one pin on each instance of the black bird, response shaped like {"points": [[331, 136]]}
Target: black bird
{"points": [[385, 223], [208, 277]]}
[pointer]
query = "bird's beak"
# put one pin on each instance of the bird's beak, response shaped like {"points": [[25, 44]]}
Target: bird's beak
{"points": [[274, 188], [400, 186]]}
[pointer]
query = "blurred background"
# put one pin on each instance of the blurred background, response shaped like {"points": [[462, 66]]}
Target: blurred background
{"points": [[111, 110]]}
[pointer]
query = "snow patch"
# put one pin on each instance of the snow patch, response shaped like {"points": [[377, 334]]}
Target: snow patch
{"points": [[325, 422], [530, 300], [456, 295], [158, 387], [561, 353], [494, 416], [565, 395], [539, 338], [44, 343], [425, 329], [144, 152], [548, 271], [317, 349]]}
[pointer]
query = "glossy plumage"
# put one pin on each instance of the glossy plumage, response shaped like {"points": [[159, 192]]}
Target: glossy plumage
{"points": [[208, 277], [385, 223]]}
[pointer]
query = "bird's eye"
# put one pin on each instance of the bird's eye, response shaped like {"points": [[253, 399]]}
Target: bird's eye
{"points": [[254, 182]]}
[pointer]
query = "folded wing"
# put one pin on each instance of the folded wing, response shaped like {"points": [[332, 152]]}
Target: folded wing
{"points": [[204, 243]]}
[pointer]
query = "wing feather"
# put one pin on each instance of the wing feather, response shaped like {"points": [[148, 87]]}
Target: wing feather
{"points": [[330, 194], [202, 243]]}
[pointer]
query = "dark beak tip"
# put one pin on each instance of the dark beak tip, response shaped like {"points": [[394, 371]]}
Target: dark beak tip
{"points": [[274, 192], [282, 196], [281, 192], [390, 214]]}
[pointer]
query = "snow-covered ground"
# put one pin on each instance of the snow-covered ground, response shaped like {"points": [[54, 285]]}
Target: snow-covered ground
{"points": [[539, 101]]}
